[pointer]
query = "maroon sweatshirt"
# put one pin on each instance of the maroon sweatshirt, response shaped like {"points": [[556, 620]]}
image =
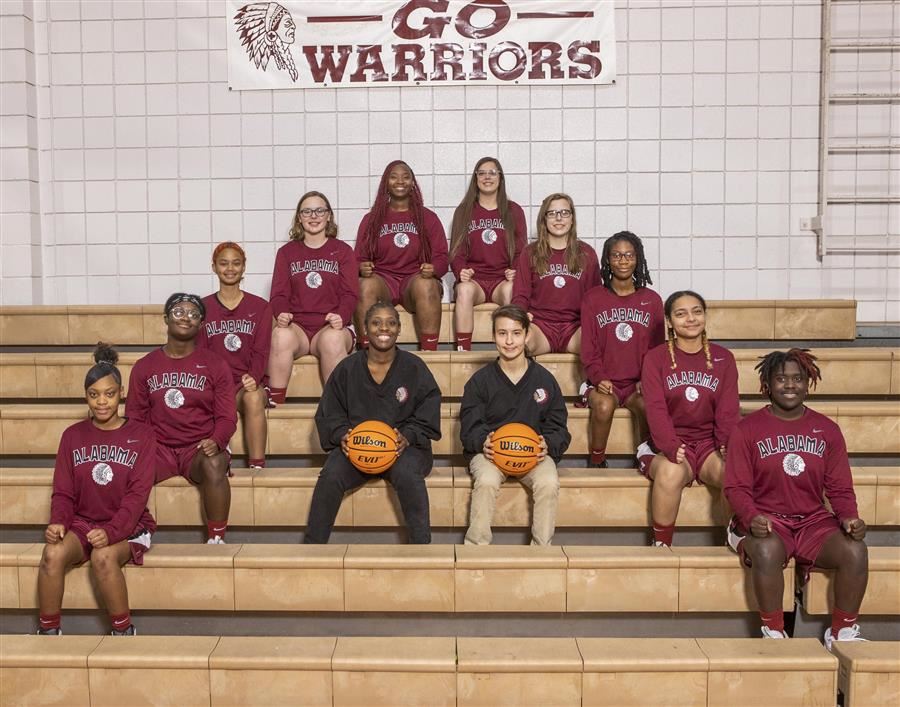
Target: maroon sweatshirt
{"points": [[241, 336], [184, 399], [487, 254], [311, 282], [691, 402], [105, 477], [617, 332], [397, 250], [785, 466], [556, 295]]}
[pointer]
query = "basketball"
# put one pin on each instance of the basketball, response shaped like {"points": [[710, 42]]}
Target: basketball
{"points": [[372, 446], [516, 448]]}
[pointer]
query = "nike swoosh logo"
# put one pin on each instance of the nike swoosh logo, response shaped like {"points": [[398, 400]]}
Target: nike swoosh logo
{"points": [[132, 441], [250, 316], [718, 359], [817, 431], [199, 366], [644, 304]]}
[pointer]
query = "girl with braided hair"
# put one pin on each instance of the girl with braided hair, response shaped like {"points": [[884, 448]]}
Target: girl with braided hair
{"points": [[690, 389], [782, 460], [402, 252], [621, 320]]}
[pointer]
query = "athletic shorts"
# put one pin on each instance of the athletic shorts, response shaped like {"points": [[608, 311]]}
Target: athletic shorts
{"points": [[624, 392], [138, 541], [801, 536], [489, 286], [176, 461], [557, 334], [312, 330], [695, 454]]}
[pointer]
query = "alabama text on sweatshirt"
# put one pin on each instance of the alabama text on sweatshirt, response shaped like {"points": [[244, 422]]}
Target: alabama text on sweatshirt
{"points": [[556, 295], [241, 336]]}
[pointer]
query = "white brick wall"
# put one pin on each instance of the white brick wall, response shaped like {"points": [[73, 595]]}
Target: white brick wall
{"points": [[126, 157]]}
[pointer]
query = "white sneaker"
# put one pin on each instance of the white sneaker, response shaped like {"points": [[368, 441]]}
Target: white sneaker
{"points": [[734, 538], [772, 633], [218, 540], [848, 633], [658, 543]]}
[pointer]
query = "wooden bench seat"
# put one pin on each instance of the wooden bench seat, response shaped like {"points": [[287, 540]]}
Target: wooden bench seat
{"points": [[441, 579], [869, 672], [845, 372], [882, 594], [280, 497], [59, 325], [443, 670], [868, 427]]}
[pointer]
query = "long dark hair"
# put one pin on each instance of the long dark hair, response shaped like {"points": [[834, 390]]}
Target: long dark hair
{"points": [[670, 330], [641, 275], [378, 213], [462, 217]]}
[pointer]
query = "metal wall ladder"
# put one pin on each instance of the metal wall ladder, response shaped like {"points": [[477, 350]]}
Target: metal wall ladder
{"points": [[828, 145]]}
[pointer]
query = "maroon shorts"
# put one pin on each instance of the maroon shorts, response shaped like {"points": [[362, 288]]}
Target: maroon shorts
{"points": [[801, 536], [176, 461], [312, 330], [138, 542], [695, 454], [558, 335], [624, 392], [489, 286]]}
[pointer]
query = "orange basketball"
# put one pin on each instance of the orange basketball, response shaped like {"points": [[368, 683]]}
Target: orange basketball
{"points": [[372, 446], [516, 448]]}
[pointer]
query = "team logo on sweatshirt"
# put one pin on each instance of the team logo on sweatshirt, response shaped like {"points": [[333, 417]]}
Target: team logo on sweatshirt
{"points": [[102, 474], [401, 240], [174, 398], [232, 342], [540, 396], [313, 280], [402, 394], [489, 236], [793, 465], [559, 282], [624, 332], [691, 393]]}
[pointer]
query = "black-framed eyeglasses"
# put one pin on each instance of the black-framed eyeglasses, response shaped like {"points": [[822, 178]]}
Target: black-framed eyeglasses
{"points": [[560, 214], [487, 173], [627, 257], [182, 313], [307, 213]]}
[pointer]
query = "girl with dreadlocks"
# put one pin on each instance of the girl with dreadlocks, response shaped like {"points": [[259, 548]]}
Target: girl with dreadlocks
{"points": [[552, 276], [486, 238], [690, 389], [402, 254], [620, 321], [782, 459]]}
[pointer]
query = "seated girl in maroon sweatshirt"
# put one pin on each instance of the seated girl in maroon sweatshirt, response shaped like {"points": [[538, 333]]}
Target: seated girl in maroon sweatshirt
{"points": [[98, 512], [402, 254], [690, 389], [238, 327], [552, 276], [486, 238], [314, 292], [782, 461]]}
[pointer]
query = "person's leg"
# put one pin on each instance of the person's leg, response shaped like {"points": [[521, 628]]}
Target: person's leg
{"points": [[55, 561], [371, 290], [603, 407], [106, 566], [574, 343], [850, 561], [487, 479], [407, 476], [502, 294], [767, 557], [712, 470], [211, 475], [635, 405], [330, 346], [422, 297], [287, 344], [536, 343], [468, 294], [252, 406], [543, 481], [336, 478], [669, 480]]}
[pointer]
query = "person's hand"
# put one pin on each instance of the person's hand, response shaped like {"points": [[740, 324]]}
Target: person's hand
{"points": [[466, 274], [509, 274], [402, 442], [366, 268], [209, 447], [605, 387], [334, 320], [345, 443], [284, 319], [98, 538], [530, 317], [249, 384], [680, 455], [488, 448], [854, 527], [543, 453], [426, 270], [54, 533], [760, 527]]}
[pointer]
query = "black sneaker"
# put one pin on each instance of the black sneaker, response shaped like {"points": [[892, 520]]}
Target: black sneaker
{"points": [[130, 631], [49, 632]]}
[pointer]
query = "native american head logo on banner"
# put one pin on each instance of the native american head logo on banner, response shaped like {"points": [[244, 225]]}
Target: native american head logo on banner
{"points": [[267, 30]]}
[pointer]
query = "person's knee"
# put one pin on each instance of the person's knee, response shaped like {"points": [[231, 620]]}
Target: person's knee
{"points": [[766, 554], [283, 339], [254, 402], [104, 561], [332, 342], [670, 477], [856, 556], [214, 470], [603, 405], [465, 293], [53, 559], [425, 290], [546, 487]]}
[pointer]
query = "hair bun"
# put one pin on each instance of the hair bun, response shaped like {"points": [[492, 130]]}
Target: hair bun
{"points": [[105, 353]]}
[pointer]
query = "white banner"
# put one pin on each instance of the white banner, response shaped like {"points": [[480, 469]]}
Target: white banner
{"points": [[311, 44]]}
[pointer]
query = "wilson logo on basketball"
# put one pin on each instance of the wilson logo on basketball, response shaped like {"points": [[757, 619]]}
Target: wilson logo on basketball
{"points": [[513, 446], [369, 441]]}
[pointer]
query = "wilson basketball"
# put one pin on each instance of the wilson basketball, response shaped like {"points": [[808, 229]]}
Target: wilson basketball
{"points": [[516, 448], [372, 446]]}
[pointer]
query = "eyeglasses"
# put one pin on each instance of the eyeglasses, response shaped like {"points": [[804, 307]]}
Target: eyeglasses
{"points": [[560, 214], [627, 257], [182, 313], [308, 213], [487, 173]]}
